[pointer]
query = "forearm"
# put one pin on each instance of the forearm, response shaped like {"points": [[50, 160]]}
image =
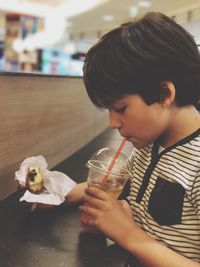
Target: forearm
{"points": [[76, 194], [152, 253], [115, 220]]}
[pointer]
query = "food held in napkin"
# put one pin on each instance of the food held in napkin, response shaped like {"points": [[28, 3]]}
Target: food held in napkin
{"points": [[55, 185]]}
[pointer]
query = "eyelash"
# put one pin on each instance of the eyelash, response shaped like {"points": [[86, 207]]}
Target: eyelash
{"points": [[121, 110]]}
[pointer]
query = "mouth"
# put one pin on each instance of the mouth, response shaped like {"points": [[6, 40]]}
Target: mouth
{"points": [[127, 137]]}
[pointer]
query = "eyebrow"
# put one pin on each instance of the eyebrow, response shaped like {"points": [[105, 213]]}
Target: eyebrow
{"points": [[119, 102]]}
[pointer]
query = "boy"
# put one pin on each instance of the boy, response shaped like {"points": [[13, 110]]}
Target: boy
{"points": [[147, 74]]}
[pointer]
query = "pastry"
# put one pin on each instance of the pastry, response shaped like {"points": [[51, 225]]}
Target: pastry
{"points": [[34, 180]]}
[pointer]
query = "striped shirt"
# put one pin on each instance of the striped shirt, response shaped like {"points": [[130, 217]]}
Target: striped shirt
{"points": [[165, 194]]}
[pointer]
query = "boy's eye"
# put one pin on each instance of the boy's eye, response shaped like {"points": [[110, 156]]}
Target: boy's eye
{"points": [[120, 110]]}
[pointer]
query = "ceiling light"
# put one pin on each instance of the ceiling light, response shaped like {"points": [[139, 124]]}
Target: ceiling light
{"points": [[133, 11], [144, 3], [108, 17]]}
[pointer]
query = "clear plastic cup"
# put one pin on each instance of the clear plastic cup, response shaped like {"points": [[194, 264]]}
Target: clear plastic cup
{"points": [[106, 155], [99, 175], [110, 181]]}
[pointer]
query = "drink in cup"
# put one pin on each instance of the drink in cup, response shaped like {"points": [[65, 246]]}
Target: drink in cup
{"points": [[110, 181], [105, 178]]}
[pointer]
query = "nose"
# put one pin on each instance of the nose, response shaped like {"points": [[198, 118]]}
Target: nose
{"points": [[114, 120]]}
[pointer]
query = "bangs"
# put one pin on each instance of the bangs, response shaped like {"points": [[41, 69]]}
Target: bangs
{"points": [[102, 89], [105, 79]]}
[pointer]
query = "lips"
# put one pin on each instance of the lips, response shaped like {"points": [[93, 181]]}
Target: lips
{"points": [[124, 136], [128, 138]]}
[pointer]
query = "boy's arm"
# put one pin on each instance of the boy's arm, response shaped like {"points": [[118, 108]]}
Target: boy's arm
{"points": [[110, 217], [76, 194], [152, 253]]}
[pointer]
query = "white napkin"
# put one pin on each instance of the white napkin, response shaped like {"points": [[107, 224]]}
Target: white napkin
{"points": [[57, 184]]}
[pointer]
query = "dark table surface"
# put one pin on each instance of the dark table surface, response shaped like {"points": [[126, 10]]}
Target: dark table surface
{"points": [[53, 237]]}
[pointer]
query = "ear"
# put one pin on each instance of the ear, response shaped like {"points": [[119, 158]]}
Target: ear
{"points": [[168, 93]]}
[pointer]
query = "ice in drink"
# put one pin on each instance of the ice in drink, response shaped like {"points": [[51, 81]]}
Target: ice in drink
{"points": [[112, 187], [111, 180]]}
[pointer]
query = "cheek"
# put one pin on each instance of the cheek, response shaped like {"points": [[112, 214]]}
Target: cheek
{"points": [[145, 125], [144, 119], [154, 124]]}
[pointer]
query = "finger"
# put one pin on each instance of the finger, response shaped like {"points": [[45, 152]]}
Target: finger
{"points": [[88, 224], [93, 201], [85, 219], [95, 192], [20, 187], [88, 210]]}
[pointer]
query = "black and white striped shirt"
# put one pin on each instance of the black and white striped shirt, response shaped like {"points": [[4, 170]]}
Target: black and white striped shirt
{"points": [[165, 194]]}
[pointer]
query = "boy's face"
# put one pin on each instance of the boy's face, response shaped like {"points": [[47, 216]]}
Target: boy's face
{"points": [[140, 123]]}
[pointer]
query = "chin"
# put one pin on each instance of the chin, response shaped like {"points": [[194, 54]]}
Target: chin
{"points": [[139, 145]]}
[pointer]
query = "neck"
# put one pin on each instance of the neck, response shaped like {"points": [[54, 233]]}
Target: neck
{"points": [[182, 122]]}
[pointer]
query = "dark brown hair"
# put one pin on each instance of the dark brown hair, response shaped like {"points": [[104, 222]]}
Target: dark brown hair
{"points": [[137, 57]]}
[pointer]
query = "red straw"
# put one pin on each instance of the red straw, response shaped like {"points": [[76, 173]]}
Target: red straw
{"points": [[114, 160]]}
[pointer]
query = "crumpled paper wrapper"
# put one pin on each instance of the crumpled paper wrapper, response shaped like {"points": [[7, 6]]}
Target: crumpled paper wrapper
{"points": [[57, 184]]}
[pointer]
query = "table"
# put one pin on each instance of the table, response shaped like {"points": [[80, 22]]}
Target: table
{"points": [[51, 237]]}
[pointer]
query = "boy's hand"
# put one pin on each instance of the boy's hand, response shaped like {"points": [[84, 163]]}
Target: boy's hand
{"points": [[110, 216]]}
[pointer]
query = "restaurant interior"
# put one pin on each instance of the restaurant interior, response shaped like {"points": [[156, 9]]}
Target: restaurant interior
{"points": [[43, 44]]}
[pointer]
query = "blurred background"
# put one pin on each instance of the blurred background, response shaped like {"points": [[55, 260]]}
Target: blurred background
{"points": [[52, 36]]}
